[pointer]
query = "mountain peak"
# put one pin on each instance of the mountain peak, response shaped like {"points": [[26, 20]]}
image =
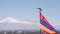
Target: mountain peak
{"points": [[8, 19], [13, 20]]}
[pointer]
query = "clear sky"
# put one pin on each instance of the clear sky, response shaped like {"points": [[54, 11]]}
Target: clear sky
{"points": [[27, 10], [19, 9]]}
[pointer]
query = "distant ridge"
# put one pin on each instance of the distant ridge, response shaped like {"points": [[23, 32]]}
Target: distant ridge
{"points": [[12, 20]]}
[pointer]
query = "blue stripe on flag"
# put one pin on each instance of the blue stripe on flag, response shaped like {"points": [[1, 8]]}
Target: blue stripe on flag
{"points": [[47, 25]]}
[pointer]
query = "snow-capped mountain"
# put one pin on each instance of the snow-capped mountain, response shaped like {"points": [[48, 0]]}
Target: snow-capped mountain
{"points": [[8, 19], [13, 24], [12, 20]]}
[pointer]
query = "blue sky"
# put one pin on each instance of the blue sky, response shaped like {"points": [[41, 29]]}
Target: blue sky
{"points": [[19, 9], [27, 10]]}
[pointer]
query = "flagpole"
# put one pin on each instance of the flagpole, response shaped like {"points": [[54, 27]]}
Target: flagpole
{"points": [[39, 15], [40, 10]]}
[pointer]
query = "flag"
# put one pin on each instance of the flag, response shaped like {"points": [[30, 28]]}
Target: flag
{"points": [[45, 25]]}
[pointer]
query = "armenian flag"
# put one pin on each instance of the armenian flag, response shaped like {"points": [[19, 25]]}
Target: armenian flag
{"points": [[46, 26]]}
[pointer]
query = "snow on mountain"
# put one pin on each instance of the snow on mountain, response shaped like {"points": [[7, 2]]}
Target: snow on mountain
{"points": [[12, 20], [8, 19], [13, 24]]}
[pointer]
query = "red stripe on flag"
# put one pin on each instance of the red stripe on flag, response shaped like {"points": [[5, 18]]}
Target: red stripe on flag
{"points": [[44, 19]]}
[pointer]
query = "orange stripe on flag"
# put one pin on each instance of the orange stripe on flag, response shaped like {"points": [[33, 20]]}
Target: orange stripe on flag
{"points": [[46, 29]]}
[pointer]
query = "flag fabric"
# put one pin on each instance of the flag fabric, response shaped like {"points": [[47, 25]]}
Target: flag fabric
{"points": [[45, 25]]}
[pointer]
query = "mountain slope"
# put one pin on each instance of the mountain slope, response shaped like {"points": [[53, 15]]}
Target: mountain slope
{"points": [[13, 24]]}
